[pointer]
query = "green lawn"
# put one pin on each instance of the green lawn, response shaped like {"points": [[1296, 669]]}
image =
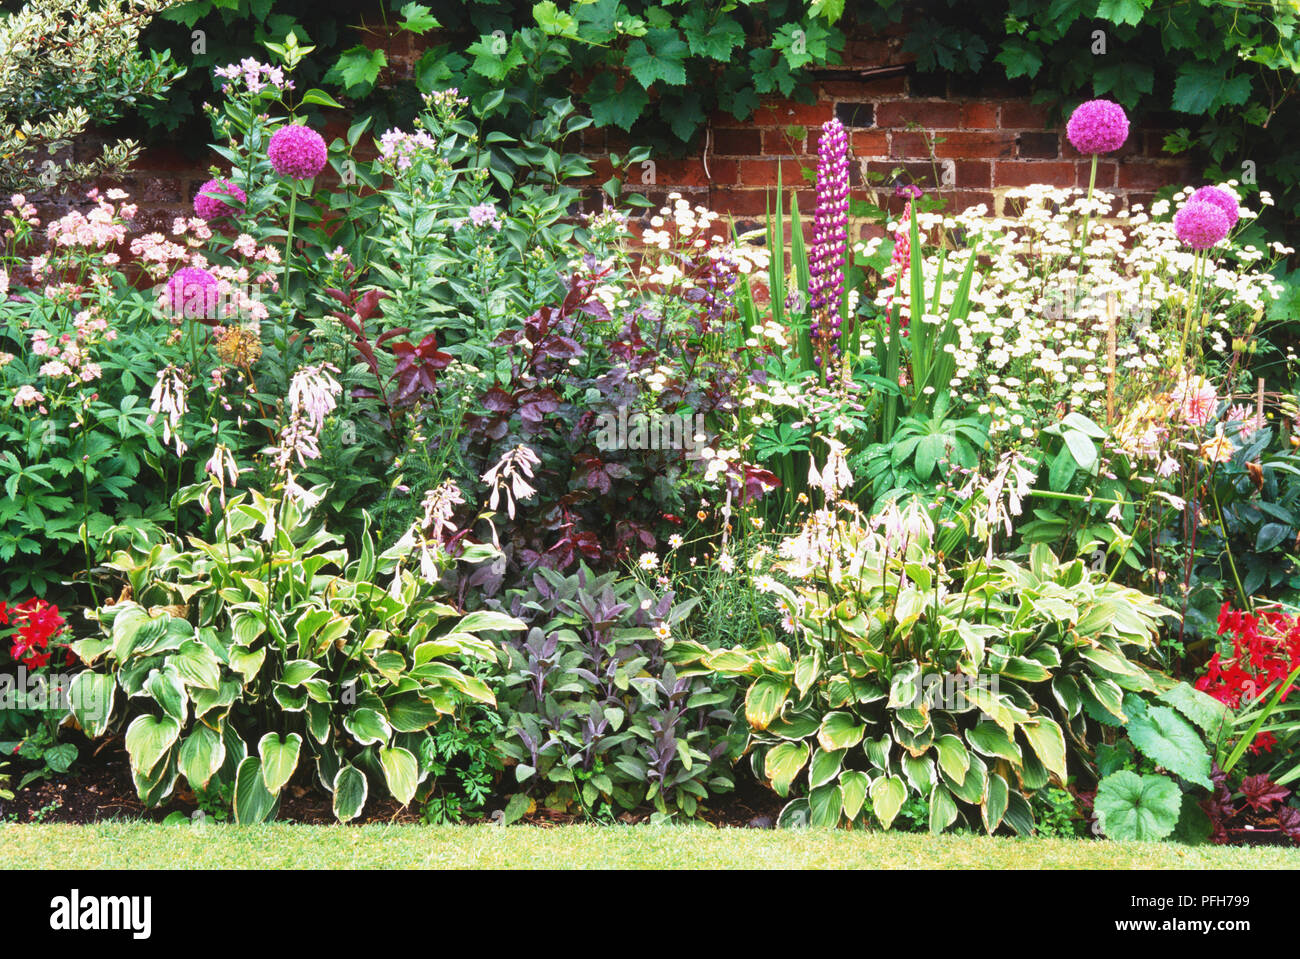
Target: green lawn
{"points": [[145, 846]]}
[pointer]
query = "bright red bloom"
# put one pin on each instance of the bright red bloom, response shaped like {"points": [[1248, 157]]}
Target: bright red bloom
{"points": [[38, 622], [1265, 651]]}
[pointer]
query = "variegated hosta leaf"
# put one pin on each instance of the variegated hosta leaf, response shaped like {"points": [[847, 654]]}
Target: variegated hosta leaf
{"points": [[825, 805], [990, 739], [954, 760], [253, 802], [279, 759], [765, 700], [825, 766], [783, 763], [148, 739], [839, 730], [201, 754], [1048, 742], [994, 806], [943, 810], [401, 771], [350, 792], [887, 796], [853, 790]]}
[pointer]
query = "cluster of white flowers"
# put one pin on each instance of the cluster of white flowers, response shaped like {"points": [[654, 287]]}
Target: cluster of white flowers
{"points": [[1036, 334]]}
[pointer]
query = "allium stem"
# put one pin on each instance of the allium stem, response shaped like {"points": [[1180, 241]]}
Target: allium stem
{"points": [[288, 252]]}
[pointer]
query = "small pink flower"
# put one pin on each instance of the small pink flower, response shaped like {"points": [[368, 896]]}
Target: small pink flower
{"points": [[297, 151], [1196, 400]]}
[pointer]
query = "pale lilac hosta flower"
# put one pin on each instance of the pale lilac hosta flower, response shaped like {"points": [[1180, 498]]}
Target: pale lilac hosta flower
{"points": [[901, 526], [428, 534], [1004, 493], [830, 233], [298, 441], [835, 476], [313, 394], [221, 467], [510, 475], [167, 399]]}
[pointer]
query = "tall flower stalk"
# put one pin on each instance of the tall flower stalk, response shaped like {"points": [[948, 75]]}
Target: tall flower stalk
{"points": [[830, 240]]}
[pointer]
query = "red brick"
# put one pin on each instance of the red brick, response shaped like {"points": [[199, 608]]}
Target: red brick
{"points": [[1146, 175], [972, 144], [931, 114], [783, 112], [921, 172], [1027, 172], [982, 116], [1105, 174], [763, 172], [1021, 115], [723, 170], [777, 143], [733, 142], [740, 202], [908, 143], [1038, 146], [959, 200], [973, 173], [684, 172], [869, 231], [864, 88], [875, 52], [870, 143]]}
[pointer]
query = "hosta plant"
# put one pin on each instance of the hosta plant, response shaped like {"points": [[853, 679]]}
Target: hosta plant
{"points": [[906, 675], [271, 650]]}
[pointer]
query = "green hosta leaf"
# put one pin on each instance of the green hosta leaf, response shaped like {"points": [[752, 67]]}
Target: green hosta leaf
{"points": [[486, 619], [91, 697], [825, 804], [298, 671], [253, 803], [1048, 741], [943, 809], [147, 740], [197, 665], [887, 796], [279, 759], [168, 691], [972, 788], [1144, 808], [794, 815], [246, 663], [764, 701], [825, 766], [402, 772], [839, 731], [782, 765], [367, 726], [953, 758], [877, 751], [350, 792], [994, 806], [1170, 741], [1204, 710], [806, 671], [201, 755], [408, 713], [992, 740], [853, 790], [920, 773]]}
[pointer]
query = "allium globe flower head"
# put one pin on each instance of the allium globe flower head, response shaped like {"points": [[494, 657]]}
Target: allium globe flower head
{"points": [[209, 207], [192, 293], [297, 151], [1097, 126], [1221, 197], [830, 230], [1200, 224]]}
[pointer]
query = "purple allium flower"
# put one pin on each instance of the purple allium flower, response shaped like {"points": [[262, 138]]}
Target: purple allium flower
{"points": [[1200, 225], [210, 207], [1097, 126], [830, 231], [192, 293], [908, 191], [297, 151], [1221, 198]]}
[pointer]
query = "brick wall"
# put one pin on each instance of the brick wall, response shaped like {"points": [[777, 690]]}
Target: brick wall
{"points": [[970, 143]]}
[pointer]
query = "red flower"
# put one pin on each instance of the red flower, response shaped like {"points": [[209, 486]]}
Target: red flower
{"points": [[1261, 657]]}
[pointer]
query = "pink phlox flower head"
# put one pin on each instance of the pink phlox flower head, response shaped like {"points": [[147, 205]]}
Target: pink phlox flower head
{"points": [[1200, 225], [1196, 400], [402, 149], [1097, 126], [209, 206], [485, 214], [192, 293], [1221, 197], [297, 152]]}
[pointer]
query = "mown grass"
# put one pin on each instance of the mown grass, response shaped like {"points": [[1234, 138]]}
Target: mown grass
{"points": [[278, 846]]}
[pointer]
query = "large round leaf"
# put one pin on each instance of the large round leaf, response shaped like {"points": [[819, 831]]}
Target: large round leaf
{"points": [[839, 731], [764, 700], [887, 796], [1130, 806], [1172, 742], [148, 738], [367, 726], [350, 791]]}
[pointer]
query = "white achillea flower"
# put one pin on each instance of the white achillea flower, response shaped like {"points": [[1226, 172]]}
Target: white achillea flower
{"points": [[510, 475]]}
